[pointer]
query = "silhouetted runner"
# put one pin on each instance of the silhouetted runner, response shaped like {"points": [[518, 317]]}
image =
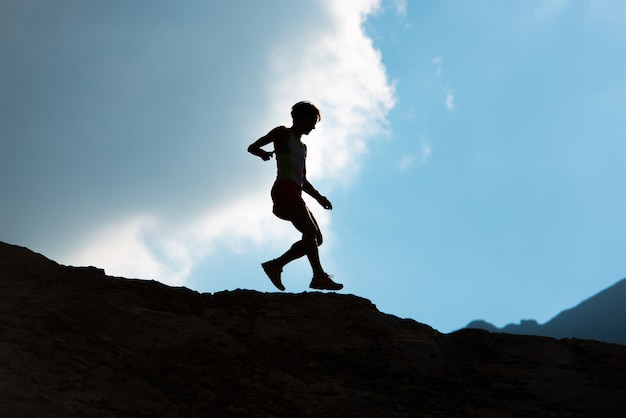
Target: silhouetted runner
{"points": [[287, 191]]}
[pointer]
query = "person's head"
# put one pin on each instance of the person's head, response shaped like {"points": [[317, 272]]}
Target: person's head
{"points": [[305, 116]]}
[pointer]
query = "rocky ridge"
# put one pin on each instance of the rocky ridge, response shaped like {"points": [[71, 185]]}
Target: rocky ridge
{"points": [[75, 342]]}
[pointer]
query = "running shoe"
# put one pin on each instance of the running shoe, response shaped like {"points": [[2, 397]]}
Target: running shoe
{"points": [[324, 282], [273, 272]]}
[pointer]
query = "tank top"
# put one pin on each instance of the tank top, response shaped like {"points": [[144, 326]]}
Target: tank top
{"points": [[290, 160]]}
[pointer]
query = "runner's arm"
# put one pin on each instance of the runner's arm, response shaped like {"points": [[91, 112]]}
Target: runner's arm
{"points": [[255, 148], [275, 135], [308, 188]]}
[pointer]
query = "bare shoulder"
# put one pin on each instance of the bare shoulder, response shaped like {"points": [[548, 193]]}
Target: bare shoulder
{"points": [[279, 132], [280, 135]]}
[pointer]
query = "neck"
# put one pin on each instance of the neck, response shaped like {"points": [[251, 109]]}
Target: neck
{"points": [[297, 132]]}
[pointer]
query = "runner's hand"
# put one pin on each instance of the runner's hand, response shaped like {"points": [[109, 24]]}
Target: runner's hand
{"points": [[266, 155], [325, 202]]}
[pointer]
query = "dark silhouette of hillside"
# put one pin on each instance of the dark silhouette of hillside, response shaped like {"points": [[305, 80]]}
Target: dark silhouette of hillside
{"points": [[75, 342], [602, 317]]}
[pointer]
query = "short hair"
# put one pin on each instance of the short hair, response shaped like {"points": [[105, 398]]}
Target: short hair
{"points": [[305, 108]]}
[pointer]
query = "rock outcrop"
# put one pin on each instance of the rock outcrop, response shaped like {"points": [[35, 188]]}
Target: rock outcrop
{"points": [[75, 342]]}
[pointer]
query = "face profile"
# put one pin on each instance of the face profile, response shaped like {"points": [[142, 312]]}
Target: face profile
{"points": [[305, 116], [306, 123]]}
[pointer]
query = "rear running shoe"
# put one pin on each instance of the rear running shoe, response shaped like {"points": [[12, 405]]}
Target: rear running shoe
{"points": [[324, 282], [273, 272]]}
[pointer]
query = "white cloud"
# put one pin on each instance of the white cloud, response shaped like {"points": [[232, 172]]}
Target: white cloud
{"points": [[449, 100], [343, 74], [405, 162], [124, 249], [148, 247], [422, 156], [401, 7], [328, 60], [449, 94], [438, 63], [426, 151]]}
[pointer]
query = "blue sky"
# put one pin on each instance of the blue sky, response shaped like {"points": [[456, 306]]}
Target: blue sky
{"points": [[473, 151]]}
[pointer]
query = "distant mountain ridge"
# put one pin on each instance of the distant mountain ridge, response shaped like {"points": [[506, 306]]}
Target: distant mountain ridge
{"points": [[602, 317]]}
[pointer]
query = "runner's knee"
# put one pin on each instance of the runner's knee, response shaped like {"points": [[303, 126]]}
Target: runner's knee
{"points": [[314, 234], [319, 238]]}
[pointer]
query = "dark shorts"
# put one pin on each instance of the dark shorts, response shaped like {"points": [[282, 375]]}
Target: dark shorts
{"points": [[287, 196]]}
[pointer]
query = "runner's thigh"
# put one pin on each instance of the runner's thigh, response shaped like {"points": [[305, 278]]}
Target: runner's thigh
{"points": [[303, 220]]}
